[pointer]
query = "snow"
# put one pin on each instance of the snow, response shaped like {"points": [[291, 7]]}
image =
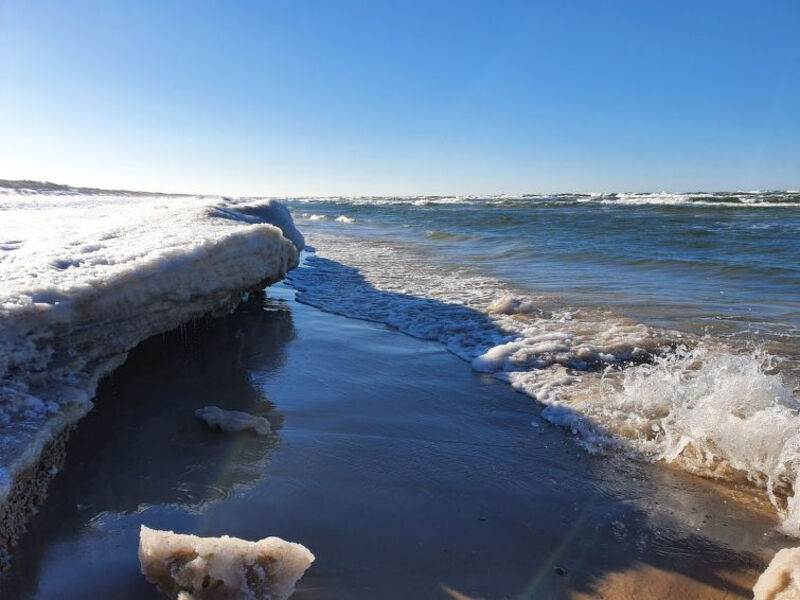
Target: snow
{"points": [[84, 277], [221, 568], [233, 421], [781, 580]]}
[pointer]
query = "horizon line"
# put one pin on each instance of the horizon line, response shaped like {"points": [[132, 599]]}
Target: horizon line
{"points": [[41, 183]]}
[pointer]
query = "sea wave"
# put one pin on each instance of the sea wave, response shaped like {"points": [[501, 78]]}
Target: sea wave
{"points": [[713, 408], [738, 199]]}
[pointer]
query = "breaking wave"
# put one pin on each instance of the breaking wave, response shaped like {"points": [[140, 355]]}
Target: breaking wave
{"points": [[763, 199]]}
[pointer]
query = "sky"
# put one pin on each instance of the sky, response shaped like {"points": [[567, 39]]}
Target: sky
{"points": [[376, 97]]}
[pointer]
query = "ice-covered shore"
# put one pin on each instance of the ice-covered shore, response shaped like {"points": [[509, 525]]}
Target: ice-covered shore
{"points": [[84, 277]]}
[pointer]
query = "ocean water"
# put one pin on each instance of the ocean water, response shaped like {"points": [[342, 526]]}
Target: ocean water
{"points": [[666, 326]]}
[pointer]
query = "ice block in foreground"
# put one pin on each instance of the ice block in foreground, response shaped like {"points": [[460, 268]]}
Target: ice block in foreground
{"points": [[188, 567]]}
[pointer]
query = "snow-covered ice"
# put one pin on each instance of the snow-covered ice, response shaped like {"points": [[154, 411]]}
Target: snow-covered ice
{"points": [[233, 421], [84, 277], [188, 567]]}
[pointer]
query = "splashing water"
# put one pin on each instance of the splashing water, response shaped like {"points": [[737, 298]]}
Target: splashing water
{"points": [[716, 414]]}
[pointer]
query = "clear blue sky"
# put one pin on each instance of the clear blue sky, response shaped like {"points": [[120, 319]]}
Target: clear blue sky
{"points": [[373, 97]]}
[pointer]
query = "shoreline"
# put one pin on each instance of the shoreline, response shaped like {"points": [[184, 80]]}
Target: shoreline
{"points": [[622, 386], [389, 457]]}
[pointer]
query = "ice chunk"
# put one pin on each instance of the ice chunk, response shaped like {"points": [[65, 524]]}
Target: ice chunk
{"points": [[232, 421], [189, 567], [781, 580]]}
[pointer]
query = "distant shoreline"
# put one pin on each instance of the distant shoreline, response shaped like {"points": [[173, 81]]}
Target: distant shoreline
{"points": [[48, 186]]}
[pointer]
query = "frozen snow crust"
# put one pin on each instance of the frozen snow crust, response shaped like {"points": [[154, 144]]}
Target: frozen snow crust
{"points": [[87, 275]]}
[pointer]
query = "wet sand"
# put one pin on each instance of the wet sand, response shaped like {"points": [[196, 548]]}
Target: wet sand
{"points": [[402, 470]]}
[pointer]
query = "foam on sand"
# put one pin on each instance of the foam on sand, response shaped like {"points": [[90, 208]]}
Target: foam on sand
{"points": [[781, 580], [84, 277], [233, 421], [189, 567]]}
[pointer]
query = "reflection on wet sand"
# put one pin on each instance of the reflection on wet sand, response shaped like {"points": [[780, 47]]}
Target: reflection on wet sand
{"points": [[142, 444]]}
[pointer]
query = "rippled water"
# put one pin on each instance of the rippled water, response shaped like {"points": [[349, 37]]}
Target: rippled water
{"points": [[724, 264]]}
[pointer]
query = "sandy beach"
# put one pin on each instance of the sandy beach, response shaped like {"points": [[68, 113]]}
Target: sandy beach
{"points": [[407, 474]]}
